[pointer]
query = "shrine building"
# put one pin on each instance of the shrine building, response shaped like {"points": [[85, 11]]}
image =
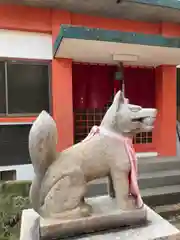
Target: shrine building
{"points": [[62, 56]]}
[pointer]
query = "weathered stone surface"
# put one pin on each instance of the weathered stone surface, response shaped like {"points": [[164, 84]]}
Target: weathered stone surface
{"points": [[170, 237], [60, 184], [105, 215], [156, 228], [30, 226]]}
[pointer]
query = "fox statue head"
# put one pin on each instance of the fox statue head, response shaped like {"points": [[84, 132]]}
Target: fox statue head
{"points": [[127, 118]]}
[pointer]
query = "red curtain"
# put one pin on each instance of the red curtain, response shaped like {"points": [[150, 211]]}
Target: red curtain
{"points": [[93, 85], [140, 86], [79, 73]]}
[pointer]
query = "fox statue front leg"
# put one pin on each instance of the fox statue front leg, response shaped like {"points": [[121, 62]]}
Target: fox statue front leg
{"points": [[120, 190]]}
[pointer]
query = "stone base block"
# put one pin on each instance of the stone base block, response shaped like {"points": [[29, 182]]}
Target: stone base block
{"points": [[107, 223], [105, 216]]}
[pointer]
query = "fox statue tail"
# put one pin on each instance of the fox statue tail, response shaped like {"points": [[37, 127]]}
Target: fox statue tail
{"points": [[42, 150], [42, 143]]}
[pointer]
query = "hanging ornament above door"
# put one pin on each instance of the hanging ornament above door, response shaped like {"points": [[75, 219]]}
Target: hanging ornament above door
{"points": [[119, 59]]}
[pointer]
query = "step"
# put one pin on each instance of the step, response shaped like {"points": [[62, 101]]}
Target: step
{"points": [[146, 181], [98, 187], [151, 196], [161, 195], [158, 196], [175, 220], [155, 164], [154, 172], [142, 160], [176, 224], [159, 179], [169, 212]]}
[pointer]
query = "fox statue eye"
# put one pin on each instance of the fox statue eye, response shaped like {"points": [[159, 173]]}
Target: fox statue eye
{"points": [[137, 109]]}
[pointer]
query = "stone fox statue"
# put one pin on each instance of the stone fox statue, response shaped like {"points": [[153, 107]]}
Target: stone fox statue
{"points": [[60, 182]]}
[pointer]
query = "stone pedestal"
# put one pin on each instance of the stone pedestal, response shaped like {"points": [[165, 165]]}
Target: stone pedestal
{"points": [[144, 224], [105, 216]]}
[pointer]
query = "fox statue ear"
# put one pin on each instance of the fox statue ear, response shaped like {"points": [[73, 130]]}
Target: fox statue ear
{"points": [[118, 100]]}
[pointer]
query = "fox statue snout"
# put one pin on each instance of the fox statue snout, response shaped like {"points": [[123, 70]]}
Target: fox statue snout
{"points": [[60, 184]]}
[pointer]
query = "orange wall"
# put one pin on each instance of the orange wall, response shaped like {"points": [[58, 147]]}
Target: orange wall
{"points": [[44, 20], [165, 131], [48, 21], [25, 18], [115, 24], [62, 101], [170, 29], [16, 119], [166, 29]]}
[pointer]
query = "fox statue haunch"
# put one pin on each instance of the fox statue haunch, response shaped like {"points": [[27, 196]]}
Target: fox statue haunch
{"points": [[60, 182]]}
